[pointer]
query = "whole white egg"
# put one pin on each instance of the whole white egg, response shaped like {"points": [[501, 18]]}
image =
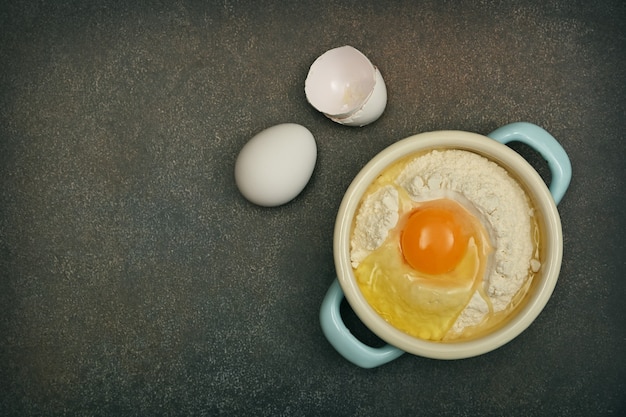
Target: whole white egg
{"points": [[276, 164]]}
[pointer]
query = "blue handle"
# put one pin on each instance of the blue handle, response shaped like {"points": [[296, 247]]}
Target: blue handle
{"points": [[343, 341], [548, 147]]}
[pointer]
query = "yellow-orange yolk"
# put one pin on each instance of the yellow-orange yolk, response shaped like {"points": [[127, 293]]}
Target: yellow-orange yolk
{"points": [[426, 271], [434, 239]]}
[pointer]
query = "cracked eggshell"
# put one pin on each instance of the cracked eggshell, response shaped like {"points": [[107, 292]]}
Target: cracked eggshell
{"points": [[344, 85]]}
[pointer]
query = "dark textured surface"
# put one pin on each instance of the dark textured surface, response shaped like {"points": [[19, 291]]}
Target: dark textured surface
{"points": [[135, 280]]}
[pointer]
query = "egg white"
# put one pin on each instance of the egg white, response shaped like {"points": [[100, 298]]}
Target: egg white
{"points": [[425, 306]]}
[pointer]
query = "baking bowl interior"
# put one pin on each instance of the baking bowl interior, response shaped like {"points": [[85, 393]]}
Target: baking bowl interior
{"points": [[541, 287]]}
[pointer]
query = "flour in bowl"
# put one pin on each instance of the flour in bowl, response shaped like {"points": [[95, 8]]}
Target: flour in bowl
{"points": [[488, 192]]}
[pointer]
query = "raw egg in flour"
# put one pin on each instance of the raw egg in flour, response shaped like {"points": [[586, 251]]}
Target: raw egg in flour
{"points": [[426, 271], [434, 238]]}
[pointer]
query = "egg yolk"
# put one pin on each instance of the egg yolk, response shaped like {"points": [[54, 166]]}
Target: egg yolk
{"points": [[434, 239]]}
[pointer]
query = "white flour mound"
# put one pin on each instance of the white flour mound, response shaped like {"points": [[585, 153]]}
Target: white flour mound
{"points": [[495, 197], [377, 216]]}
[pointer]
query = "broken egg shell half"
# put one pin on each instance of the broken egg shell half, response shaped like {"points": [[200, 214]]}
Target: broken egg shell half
{"points": [[344, 85]]}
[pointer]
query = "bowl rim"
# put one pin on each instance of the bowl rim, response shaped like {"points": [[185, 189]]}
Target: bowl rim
{"points": [[533, 184]]}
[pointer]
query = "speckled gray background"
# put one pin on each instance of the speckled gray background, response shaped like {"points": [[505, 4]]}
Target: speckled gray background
{"points": [[136, 281]]}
